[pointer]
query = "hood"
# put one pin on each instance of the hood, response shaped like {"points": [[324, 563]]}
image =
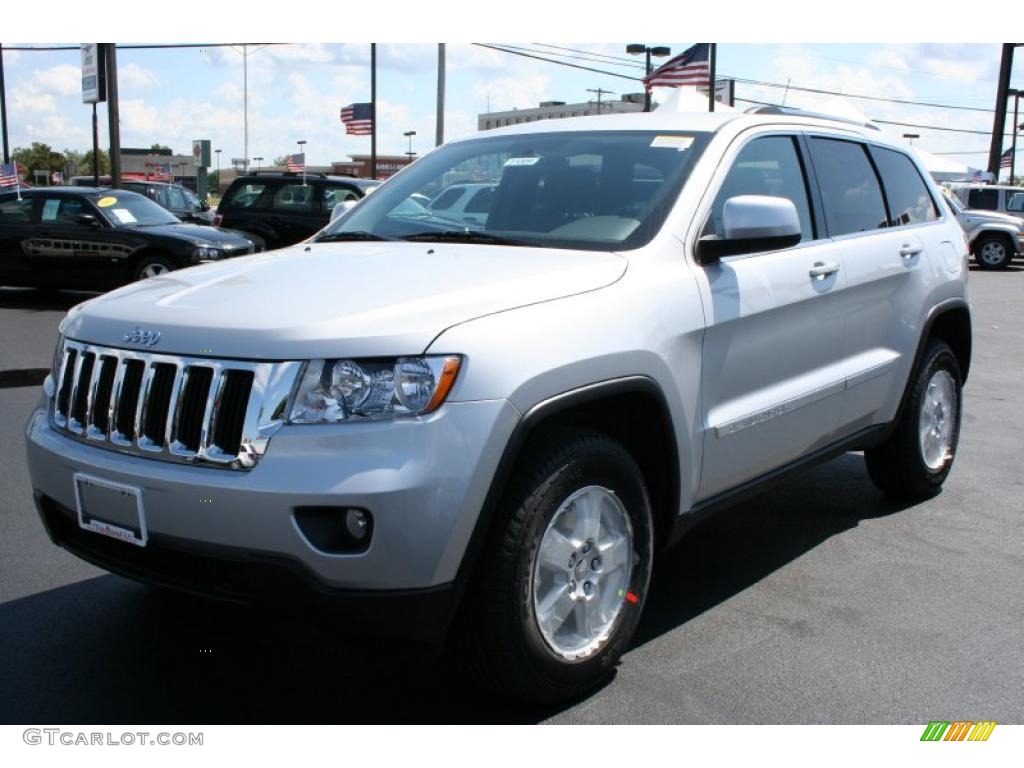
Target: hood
{"points": [[336, 299], [974, 216], [196, 234]]}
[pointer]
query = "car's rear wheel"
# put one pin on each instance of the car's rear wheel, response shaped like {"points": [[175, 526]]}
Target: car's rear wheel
{"points": [[560, 588], [992, 252], [153, 266], [916, 459]]}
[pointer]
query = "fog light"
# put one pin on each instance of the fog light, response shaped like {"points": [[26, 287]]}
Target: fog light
{"points": [[357, 524]]}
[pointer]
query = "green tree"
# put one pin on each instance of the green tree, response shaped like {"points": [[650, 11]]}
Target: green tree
{"points": [[85, 167], [159, 148], [281, 160], [38, 157]]}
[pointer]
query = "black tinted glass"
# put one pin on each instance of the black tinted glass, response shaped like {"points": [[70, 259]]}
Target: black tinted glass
{"points": [[909, 200], [849, 187], [986, 199]]}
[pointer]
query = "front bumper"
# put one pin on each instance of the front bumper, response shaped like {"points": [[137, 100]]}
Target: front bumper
{"points": [[423, 480]]}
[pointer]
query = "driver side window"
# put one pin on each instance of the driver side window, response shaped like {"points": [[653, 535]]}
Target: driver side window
{"points": [[766, 166]]}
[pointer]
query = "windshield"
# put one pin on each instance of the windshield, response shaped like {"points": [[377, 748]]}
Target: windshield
{"points": [[130, 209], [596, 190]]}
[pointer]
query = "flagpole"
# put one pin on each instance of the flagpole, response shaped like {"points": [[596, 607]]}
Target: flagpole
{"points": [[373, 110], [712, 55]]}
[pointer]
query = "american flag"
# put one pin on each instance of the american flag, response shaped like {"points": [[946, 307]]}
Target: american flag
{"points": [[691, 67], [9, 175], [358, 119], [296, 163], [1006, 159]]}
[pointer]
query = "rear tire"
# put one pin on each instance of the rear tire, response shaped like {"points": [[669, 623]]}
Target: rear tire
{"points": [[560, 585], [916, 459], [992, 252]]}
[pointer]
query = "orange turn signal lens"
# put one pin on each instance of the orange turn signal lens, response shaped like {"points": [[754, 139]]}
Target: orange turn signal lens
{"points": [[449, 371]]}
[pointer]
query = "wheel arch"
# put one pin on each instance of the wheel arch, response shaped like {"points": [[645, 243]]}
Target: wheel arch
{"points": [[632, 410]]}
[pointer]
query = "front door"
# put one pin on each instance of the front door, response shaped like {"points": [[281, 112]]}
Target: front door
{"points": [[771, 381]]}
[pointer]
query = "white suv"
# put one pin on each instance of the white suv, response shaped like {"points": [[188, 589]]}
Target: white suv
{"points": [[497, 429]]}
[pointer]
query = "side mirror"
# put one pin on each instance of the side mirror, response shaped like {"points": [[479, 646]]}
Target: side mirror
{"points": [[203, 205], [87, 220], [341, 208], [752, 223]]}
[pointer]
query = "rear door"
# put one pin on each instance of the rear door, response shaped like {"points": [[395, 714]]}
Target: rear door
{"points": [[888, 270], [771, 371], [67, 252], [295, 211]]}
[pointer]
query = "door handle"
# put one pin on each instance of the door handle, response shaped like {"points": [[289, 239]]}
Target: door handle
{"points": [[909, 251], [822, 269]]}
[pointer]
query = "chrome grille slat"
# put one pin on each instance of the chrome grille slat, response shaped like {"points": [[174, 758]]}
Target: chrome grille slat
{"points": [[113, 386]]}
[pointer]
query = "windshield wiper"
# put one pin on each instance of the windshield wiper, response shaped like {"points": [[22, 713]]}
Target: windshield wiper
{"points": [[334, 237], [463, 236]]}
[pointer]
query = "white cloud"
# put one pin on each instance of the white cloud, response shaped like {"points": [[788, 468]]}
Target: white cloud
{"points": [[131, 76], [63, 79], [513, 92]]}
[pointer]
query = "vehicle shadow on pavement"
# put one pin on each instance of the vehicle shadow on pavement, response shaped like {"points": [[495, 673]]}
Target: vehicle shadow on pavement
{"points": [[738, 547], [107, 650], [42, 300]]}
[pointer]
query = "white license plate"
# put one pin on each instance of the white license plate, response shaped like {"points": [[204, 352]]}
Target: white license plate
{"points": [[111, 509]]}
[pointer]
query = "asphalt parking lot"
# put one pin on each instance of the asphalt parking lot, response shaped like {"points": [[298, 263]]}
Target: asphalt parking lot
{"points": [[816, 602]]}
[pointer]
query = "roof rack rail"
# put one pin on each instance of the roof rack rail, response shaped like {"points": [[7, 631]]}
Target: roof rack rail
{"points": [[795, 112], [297, 174]]}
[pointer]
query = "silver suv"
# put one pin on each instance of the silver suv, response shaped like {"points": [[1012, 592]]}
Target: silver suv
{"points": [[494, 429]]}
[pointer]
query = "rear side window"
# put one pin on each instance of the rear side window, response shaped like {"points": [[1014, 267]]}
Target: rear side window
{"points": [[293, 198], [1016, 202], [245, 196], [340, 194], [986, 199], [849, 187], [766, 166], [909, 201], [16, 211]]}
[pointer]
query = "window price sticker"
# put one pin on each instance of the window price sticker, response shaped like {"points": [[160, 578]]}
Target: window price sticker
{"points": [[678, 143]]}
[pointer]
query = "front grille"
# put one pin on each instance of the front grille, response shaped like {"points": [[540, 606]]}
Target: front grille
{"points": [[199, 410]]}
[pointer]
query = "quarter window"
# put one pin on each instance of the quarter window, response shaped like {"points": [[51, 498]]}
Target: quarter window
{"points": [[766, 166], [909, 200], [16, 211], [849, 186]]}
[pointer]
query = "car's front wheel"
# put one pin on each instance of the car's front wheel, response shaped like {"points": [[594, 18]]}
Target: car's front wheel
{"points": [[560, 588], [153, 266], [992, 252]]}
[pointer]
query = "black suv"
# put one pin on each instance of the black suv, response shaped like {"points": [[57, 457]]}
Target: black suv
{"points": [[89, 238], [179, 200], [285, 208]]}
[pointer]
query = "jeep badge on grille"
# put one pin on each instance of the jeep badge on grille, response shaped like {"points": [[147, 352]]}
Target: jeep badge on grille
{"points": [[145, 338]]}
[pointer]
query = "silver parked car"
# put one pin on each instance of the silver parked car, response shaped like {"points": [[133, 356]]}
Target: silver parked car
{"points": [[497, 429]]}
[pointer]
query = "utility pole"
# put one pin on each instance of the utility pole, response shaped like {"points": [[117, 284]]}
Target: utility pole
{"points": [[113, 116], [245, 102], [999, 122], [439, 137], [600, 92], [373, 110], [3, 106]]}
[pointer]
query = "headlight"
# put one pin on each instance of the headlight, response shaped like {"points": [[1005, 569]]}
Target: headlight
{"points": [[352, 390], [206, 253]]}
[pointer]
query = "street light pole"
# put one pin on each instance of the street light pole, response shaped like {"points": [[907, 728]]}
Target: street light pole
{"points": [[217, 152], [258, 161], [1013, 149], [302, 151], [409, 135], [657, 50]]}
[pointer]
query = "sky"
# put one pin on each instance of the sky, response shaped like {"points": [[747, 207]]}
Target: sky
{"points": [[172, 96]]}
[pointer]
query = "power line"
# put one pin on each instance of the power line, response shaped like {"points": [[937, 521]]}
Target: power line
{"points": [[569, 56], [626, 61], [152, 46], [555, 61]]}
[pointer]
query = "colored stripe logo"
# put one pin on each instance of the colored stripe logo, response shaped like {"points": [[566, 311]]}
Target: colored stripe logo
{"points": [[958, 730]]}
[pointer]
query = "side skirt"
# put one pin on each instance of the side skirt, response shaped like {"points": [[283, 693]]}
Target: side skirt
{"points": [[865, 438]]}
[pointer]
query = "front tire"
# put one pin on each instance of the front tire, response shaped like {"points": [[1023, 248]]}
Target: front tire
{"points": [[992, 252], [153, 266], [916, 459], [562, 582]]}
